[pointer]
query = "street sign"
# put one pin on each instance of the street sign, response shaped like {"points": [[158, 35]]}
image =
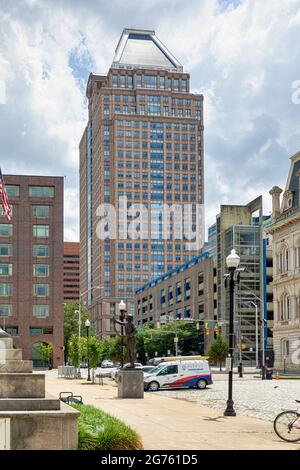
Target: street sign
{"points": [[229, 364]]}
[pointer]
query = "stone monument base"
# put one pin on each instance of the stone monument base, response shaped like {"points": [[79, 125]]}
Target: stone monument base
{"points": [[30, 419], [130, 383]]}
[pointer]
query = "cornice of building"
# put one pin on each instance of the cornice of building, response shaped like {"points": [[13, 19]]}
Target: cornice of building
{"points": [[284, 220]]}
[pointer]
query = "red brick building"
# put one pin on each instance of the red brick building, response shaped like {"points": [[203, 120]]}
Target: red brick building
{"points": [[31, 265], [71, 271]]}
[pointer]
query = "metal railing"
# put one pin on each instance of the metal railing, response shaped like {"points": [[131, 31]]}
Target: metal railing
{"points": [[67, 372]]}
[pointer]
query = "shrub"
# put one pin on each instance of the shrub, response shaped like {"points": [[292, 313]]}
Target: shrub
{"points": [[98, 430]]}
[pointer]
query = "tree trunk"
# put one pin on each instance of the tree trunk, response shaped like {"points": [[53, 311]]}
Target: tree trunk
{"points": [[220, 366]]}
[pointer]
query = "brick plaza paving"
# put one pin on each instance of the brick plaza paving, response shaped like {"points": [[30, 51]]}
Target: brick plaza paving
{"points": [[256, 398], [164, 423]]}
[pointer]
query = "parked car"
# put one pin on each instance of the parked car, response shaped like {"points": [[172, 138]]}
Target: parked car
{"points": [[147, 369], [107, 364], [180, 373], [114, 372]]}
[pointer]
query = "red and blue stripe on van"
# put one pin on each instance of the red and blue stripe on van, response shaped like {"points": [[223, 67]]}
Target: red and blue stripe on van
{"points": [[191, 381]]}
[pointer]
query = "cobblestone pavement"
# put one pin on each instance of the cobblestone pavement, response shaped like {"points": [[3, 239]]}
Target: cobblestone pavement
{"points": [[254, 398]]}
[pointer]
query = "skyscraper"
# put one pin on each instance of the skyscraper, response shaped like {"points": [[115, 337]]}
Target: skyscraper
{"points": [[141, 166]]}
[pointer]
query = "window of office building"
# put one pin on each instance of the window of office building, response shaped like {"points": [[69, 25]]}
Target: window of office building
{"points": [[12, 330], [41, 191], [40, 311], [40, 331], [187, 312], [5, 310], [114, 80], [5, 289], [178, 292], [6, 230], [41, 270], [13, 190], [41, 251], [41, 212], [163, 298], [187, 289], [5, 249], [41, 290], [138, 80], [5, 269], [41, 231], [150, 81], [2, 213], [170, 295]]}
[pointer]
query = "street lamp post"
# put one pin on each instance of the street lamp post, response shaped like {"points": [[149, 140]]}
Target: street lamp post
{"points": [[122, 309], [232, 261], [87, 325]]}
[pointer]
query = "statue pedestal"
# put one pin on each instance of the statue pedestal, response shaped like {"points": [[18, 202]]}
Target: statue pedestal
{"points": [[29, 418], [130, 383]]}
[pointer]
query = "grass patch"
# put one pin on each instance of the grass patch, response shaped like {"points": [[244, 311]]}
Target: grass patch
{"points": [[98, 430]]}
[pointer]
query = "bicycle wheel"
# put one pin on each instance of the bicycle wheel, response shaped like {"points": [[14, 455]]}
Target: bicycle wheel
{"points": [[287, 426]]}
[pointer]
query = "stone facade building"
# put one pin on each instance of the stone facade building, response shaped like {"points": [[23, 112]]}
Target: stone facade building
{"points": [[285, 229]]}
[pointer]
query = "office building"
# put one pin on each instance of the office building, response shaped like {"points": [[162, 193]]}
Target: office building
{"points": [[31, 265], [71, 271], [240, 228], [187, 293], [142, 148]]}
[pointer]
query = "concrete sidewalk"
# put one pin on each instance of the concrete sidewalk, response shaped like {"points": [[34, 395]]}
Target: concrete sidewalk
{"points": [[170, 424]]}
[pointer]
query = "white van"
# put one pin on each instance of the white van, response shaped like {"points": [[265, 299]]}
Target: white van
{"points": [[179, 373]]}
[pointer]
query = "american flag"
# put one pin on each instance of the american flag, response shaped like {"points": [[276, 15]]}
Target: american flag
{"points": [[4, 202]]}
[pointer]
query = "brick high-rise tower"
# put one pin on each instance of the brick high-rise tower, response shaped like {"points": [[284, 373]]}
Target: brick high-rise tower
{"points": [[143, 141]]}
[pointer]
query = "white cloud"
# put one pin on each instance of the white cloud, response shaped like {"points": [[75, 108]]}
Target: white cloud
{"points": [[244, 58]]}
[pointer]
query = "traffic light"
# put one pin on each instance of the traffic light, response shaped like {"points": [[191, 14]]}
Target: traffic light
{"points": [[216, 330], [207, 330]]}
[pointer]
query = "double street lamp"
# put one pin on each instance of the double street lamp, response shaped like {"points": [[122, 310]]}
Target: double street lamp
{"points": [[232, 262]]}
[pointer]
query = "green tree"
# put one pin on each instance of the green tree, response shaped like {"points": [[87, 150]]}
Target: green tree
{"points": [[151, 340], [46, 351], [71, 322], [115, 348], [218, 351], [74, 351], [94, 352]]}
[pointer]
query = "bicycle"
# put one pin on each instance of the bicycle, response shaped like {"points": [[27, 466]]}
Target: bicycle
{"points": [[287, 425]]}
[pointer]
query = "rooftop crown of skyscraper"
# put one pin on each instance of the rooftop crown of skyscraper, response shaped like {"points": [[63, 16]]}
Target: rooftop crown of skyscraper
{"points": [[141, 48]]}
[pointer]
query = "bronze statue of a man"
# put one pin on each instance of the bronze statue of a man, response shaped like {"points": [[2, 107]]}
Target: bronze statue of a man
{"points": [[130, 333]]}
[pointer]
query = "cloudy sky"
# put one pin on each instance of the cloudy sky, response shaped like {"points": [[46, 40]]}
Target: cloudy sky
{"points": [[243, 55]]}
